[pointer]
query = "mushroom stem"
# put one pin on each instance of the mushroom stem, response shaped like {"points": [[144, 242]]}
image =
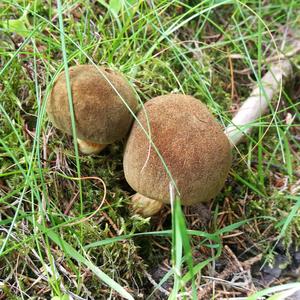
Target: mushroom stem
{"points": [[258, 102], [88, 147], [144, 206]]}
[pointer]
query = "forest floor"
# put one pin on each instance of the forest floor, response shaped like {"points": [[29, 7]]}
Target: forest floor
{"points": [[52, 246]]}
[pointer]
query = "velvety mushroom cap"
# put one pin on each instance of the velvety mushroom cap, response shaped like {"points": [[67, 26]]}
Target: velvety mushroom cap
{"points": [[100, 115], [190, 140]]}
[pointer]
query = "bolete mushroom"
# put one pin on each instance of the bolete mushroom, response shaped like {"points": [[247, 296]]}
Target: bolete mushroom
{"points": [[175, 131], [192, 144], [101, 117]]}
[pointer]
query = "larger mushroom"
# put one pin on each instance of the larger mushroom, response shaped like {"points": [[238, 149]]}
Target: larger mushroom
{"points": [[192, 144], [101, 117]]}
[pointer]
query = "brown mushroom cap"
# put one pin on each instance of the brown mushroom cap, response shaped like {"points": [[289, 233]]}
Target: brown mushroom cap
{"points": [[192, 143], [100, 115]]}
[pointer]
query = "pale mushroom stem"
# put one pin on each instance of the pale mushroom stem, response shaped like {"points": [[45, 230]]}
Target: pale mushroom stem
{"points": [[145, 206], [258, 102], [88, 147]]}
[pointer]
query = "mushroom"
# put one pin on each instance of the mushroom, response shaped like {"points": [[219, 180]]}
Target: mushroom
{"points": [[192, 144], [101, 117], [179, 142]]}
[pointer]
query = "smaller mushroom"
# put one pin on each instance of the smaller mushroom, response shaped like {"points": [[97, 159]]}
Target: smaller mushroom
{"points": [[192, 144], [101, 117]]}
